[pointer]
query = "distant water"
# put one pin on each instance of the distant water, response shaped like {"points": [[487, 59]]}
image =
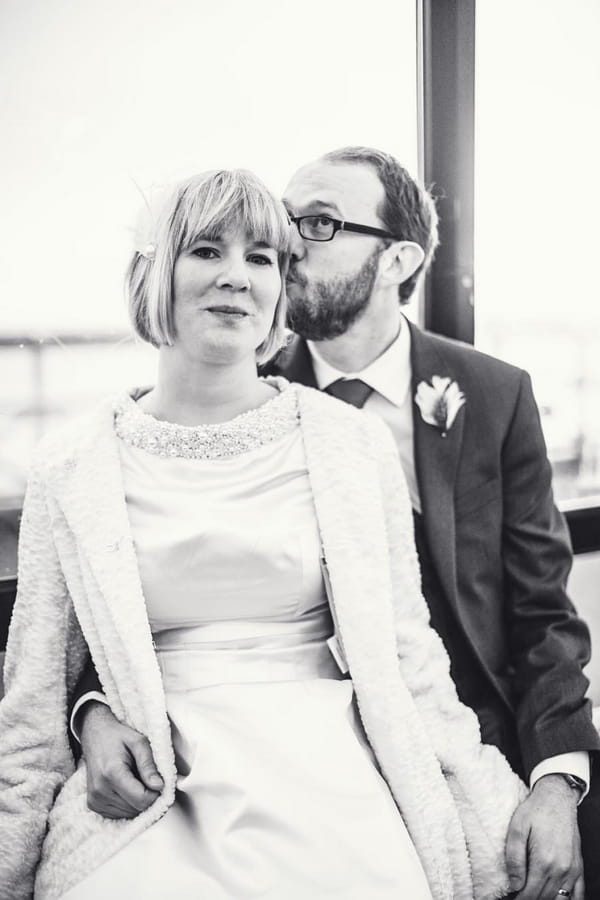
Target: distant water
{"points": [[39, 390]]}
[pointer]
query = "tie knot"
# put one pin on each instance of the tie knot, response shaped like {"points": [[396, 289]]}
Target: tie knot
{"points": [[351, 390]]}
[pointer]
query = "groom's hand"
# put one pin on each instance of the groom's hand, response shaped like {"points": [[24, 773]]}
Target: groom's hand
{"points": [[543, 849], [122, 779]]}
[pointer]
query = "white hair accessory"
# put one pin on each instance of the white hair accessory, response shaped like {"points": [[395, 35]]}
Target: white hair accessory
{"points": [[144, 230], [148, 252]]}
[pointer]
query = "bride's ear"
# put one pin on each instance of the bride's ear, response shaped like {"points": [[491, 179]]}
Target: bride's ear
{"points": [[399, 261]]}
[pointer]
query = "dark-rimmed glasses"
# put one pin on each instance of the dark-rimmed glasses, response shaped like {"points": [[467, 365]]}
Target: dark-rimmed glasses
{"points": [[325, 228]]}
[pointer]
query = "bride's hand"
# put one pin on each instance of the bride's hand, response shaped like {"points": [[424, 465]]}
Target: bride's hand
{"points": [[122, 779]]}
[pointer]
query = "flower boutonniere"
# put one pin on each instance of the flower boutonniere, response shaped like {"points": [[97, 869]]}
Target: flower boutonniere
{"points": [[439, 402]]}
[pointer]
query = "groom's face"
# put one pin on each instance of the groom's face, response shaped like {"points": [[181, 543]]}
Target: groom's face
{"points": [[330, 283]]}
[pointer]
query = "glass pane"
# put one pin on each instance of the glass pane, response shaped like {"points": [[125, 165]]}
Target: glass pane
{"points": [[44, 382], [537, 228], [110, 99]]}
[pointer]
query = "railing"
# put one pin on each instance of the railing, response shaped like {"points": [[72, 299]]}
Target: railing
{"points": [[27, 412]]}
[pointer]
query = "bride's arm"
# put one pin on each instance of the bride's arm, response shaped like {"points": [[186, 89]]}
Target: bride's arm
{"points": [[44, 647]]}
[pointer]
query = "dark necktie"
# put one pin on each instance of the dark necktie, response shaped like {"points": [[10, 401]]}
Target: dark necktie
{"points": [[351, 390]]}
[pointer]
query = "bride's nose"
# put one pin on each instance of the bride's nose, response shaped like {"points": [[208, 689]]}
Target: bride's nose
{"points": [[234, 275]]}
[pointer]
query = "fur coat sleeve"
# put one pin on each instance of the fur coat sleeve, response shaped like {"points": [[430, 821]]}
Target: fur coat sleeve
{"points": [[456, 796], [44, 655], [472, 770]]}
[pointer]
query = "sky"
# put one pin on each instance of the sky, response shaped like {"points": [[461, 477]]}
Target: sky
{"points": [[537, 147], [98, 101]]}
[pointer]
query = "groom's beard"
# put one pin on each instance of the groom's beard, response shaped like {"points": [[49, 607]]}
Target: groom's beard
{"points": [[321, 310]]}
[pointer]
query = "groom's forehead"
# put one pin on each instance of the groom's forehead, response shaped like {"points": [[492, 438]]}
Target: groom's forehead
{"points": [[344, 189]]}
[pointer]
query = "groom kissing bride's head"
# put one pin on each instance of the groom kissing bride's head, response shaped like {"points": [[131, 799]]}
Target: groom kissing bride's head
{"points": [[366, 232], [493, 549]]}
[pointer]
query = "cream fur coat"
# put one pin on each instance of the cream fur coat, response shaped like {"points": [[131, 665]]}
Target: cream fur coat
{"points": [[79, 582]]}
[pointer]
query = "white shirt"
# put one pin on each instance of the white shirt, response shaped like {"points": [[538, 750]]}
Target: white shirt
{"points": [[390, 377]]}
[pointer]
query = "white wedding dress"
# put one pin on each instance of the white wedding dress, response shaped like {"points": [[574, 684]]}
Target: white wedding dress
{"points": [[278, 797]]}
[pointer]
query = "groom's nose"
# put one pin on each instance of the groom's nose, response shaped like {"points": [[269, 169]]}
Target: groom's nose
{"points": [[297, 244]]}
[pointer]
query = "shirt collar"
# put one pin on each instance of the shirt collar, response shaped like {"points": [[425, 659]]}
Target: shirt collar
{"points": [[388, 375]]}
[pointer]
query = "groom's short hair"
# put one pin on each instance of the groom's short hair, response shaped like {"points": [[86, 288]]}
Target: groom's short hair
{"points": [[408, 209]]}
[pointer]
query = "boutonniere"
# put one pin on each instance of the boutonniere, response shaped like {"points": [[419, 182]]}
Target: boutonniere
{"points": [[439, 402]]}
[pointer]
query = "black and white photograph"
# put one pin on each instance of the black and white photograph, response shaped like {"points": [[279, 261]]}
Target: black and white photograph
{"points": [[299, 450]]}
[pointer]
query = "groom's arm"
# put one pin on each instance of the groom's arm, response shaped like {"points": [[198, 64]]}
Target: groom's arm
{"points": [[88, 688], [122, 778], [549, 643], [549, 646]]}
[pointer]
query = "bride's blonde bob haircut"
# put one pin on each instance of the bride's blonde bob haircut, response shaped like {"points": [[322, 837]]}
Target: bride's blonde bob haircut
{"points": [[205, 207]]}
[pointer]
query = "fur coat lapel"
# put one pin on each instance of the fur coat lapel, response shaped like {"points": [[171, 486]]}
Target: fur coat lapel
{"points": [[111, 608], [356, 548], [456, 796]]}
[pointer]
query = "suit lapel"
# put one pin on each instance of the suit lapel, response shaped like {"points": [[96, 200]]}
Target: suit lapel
{"points": [[436, 463]]}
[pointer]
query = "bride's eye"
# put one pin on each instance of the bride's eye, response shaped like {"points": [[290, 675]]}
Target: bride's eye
{"points": [[260, 259], [205, 252]]}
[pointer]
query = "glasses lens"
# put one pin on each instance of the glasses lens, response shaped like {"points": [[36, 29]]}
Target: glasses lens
{"points": [[316, 228]]}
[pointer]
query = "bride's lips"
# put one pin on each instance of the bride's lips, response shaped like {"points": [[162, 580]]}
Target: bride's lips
{"points": [[231, 311]]}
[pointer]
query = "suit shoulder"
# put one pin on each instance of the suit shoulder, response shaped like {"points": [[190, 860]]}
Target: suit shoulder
{"points": [[286, 357], [464, 355]]}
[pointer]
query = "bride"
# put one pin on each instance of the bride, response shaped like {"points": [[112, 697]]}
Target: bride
{"points": [[236, 554]]}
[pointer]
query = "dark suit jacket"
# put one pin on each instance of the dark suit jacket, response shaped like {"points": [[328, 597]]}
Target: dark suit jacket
{"points": [[500, 549]]}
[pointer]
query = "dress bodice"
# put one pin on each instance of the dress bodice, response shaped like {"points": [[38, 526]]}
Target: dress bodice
{"points": [[229, 537]]}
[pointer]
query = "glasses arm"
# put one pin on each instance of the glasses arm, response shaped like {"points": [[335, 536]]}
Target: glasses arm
{"points": [[365, 229]]}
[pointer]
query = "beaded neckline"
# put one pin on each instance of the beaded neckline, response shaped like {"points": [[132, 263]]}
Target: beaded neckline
{"points": [[272, 420]]}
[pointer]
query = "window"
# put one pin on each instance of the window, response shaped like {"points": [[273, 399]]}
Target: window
{"points": [[537, 146], [107, 100]]}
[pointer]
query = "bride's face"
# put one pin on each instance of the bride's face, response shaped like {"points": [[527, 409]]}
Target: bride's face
{"points": [[225, 293]]}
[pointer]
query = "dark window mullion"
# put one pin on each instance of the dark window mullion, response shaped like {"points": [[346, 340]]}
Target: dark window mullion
{"points": [[447, 104]]}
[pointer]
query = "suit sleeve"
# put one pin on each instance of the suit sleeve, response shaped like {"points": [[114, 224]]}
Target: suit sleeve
{"points": [[88, 683], [549, 643], [485, 789], [44, 649]]}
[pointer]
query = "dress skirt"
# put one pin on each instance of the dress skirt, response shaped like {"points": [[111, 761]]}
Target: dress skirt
{"points": [[278, 795]]}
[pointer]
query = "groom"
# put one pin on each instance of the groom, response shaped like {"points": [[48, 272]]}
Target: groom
{"points": [[494, 550]]}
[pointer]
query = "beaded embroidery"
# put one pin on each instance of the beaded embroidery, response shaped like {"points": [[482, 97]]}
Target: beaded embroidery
{"points": [[272, 420]]}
